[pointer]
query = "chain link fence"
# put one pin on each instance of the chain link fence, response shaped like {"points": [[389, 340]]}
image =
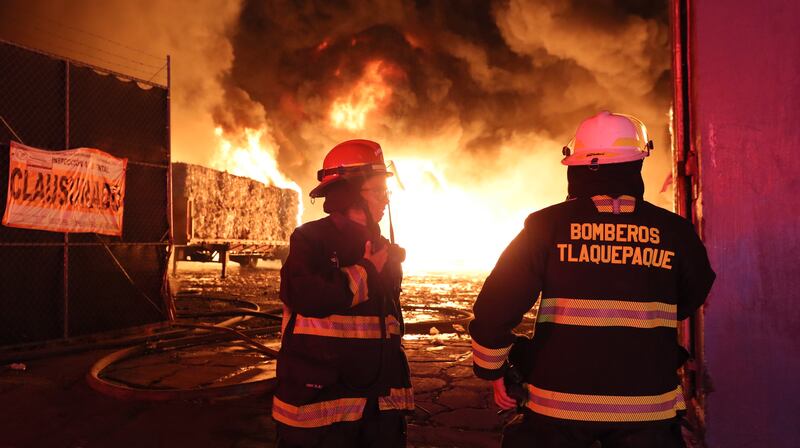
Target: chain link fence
{"points": [[60, 286]]}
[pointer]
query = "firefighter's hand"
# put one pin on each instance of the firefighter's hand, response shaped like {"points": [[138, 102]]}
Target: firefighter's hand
{"points": [[500, 397], [377, 258]]}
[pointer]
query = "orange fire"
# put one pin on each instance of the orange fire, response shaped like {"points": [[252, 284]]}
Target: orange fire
{"points": [[446, 228], [245, 155], [449, 225], [370, 92]]}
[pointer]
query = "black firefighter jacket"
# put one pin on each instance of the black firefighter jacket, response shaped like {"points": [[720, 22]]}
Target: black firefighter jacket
{"points": [[615, 277], [342, 328]]}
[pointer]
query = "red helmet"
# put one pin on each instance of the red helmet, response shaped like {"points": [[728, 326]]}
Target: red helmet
{"points": [[353, 158]]}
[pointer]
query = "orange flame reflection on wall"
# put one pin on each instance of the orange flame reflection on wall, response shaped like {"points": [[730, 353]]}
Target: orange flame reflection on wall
{"points": [[245, 155], [445, 228], [369, 93]]}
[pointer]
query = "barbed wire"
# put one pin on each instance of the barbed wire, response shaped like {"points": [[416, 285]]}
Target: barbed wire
{"points": [[95, 63], [63, 44], [159, 71], [105, 39], [64, 38], [89, 33], [92, 61]]}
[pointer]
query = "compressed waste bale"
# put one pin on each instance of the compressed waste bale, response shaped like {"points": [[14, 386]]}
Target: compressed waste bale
{"points": [[219, 206]]}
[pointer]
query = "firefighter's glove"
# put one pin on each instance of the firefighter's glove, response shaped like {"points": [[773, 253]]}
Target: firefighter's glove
{"points": [[514, 383], [501, 397], [377, 258]]}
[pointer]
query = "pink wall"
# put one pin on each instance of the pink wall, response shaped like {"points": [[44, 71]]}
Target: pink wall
{"points": [[745, 87]]}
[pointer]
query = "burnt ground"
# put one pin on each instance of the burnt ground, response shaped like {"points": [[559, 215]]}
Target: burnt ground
{"points": [[49, 403]]}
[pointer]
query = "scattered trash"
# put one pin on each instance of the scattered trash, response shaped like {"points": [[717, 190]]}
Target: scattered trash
{"points": [[421, 319], [18, 366]]}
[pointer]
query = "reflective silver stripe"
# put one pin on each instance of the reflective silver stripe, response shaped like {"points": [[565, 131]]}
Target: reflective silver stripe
{"points": [[337, 326]]}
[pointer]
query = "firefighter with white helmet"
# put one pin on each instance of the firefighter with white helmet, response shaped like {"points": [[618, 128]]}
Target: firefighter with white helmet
{"points": [[608, 138], [613, 275], [343, 378]]}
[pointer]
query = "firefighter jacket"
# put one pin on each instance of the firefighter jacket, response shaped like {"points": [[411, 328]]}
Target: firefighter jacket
{"points": [[341, 342], [615, 276]]}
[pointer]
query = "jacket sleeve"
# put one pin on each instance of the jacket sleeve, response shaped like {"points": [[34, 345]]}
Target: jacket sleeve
{"points": [[507, 294], [314, 286], [695, 275]]}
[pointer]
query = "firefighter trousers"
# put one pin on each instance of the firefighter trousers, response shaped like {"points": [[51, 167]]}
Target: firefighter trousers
{"points": [[531, 430], [376, 429]]}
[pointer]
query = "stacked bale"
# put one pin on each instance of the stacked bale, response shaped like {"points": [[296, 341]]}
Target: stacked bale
{"points": [[229, 208]]}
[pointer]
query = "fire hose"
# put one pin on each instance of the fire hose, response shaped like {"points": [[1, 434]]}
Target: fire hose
{"points": [[206, 335]]}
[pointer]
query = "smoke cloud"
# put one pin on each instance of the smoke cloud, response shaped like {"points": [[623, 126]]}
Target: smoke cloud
{"points": [[134, 38], [489, 91]]}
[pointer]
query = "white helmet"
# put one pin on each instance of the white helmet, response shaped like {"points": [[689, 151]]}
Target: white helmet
{"points": [[608, 138]]}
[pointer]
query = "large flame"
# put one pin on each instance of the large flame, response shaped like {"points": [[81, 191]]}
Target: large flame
{"points": [[245, 155], [446, 228], [370, 92]]}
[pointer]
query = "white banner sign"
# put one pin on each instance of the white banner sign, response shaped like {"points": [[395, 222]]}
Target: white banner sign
{"points": [[77, 190]]}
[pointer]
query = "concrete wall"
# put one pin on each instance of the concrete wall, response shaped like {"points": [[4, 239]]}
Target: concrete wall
{"points": [[745, 87]]}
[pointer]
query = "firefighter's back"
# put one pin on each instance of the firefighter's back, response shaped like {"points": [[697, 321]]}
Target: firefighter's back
{"points": [[606, 324]]}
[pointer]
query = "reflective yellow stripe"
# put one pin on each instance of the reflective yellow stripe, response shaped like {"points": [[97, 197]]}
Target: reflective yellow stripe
{"points": [[489, 358], [318, 414], [605, 408], [398, 399], [607, 313], [357, 281], [606, 204], [336, 326]]}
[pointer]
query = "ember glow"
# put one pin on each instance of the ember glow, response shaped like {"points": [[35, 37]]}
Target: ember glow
{"points": [[323, 45], [245, 155], [351, 110]]}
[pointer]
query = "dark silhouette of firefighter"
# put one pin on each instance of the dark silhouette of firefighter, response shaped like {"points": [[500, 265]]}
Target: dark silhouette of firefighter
{"points": [[615, 274], [343, 378]]}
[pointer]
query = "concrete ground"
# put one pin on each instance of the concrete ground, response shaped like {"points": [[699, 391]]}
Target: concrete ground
{"points": [[49, 404]]}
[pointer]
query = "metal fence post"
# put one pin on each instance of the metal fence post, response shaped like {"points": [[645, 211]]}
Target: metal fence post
{"points": [[170, 305], [66, 235]]}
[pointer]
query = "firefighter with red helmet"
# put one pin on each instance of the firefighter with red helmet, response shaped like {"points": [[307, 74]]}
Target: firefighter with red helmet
{"points": [[343, 378], [613, 275]]}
